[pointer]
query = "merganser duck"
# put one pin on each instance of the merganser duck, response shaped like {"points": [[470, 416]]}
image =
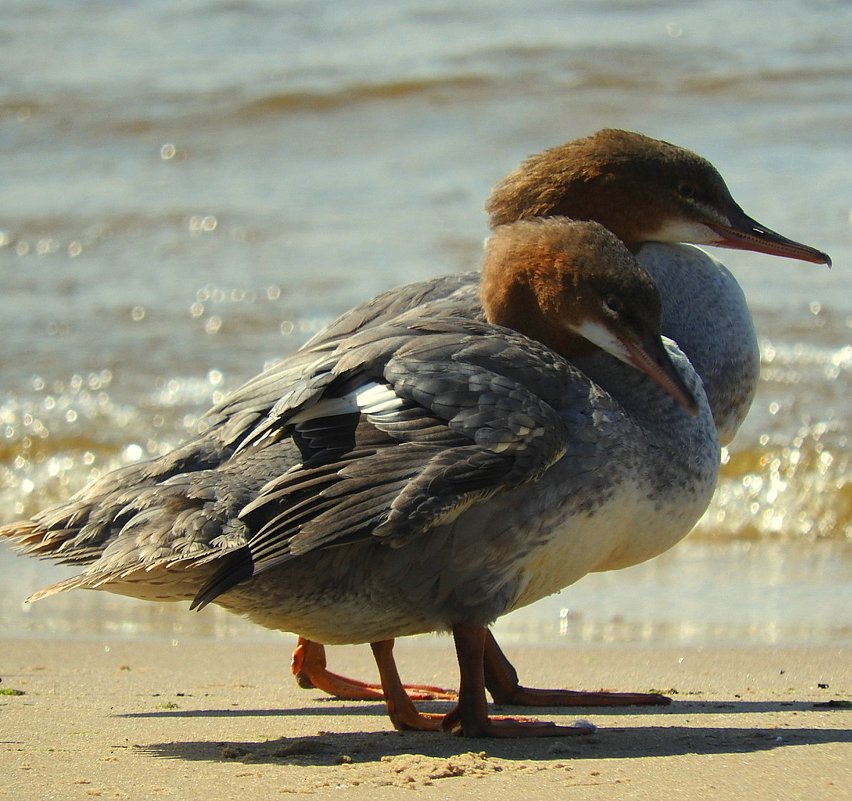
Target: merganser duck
{"points": [[449, 469], [81, 531], [652, 195]]}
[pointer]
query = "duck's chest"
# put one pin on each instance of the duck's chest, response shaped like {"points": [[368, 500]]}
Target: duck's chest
{"points": [[609, 525]]}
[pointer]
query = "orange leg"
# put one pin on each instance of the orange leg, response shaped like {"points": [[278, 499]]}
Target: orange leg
{"points": [[501, 679], [401, 709], [470, 718], [309, 668]]}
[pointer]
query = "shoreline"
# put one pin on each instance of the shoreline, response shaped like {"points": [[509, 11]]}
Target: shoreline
{"points": [[124, 719], [699, 592]]}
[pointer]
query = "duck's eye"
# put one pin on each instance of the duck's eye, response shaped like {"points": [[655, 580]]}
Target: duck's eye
{"points": [[686, 190], [613, 304]]}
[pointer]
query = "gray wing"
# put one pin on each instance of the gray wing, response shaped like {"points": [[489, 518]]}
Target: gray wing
{"points": [[391, 304], [457, 412], [283, 386], [79, 530]]}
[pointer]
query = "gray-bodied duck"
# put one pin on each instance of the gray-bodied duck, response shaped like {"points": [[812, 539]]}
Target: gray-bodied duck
{"points": [[435, 472], [652, 195]]}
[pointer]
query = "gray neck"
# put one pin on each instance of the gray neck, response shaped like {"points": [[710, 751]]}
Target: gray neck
{"points": [[681, 443], [705, 312]]}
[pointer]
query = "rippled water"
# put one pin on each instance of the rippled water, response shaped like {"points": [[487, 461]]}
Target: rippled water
{"points": [[196, 188]]}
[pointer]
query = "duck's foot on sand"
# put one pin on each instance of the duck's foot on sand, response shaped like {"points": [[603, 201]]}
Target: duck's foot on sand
{"points": [[501, 679], [309, 668]]}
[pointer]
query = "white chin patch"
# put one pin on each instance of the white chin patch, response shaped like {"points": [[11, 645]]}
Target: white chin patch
{"points": [[601, 336], [684, 231]]}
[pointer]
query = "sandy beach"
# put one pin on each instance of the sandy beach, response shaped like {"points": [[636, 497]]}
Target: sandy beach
{"points": [[181, 719]]}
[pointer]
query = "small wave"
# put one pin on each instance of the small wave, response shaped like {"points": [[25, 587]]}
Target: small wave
{"points": [[160, 116], [760, 82], [800, 490], [22, 108], [284, 102]]}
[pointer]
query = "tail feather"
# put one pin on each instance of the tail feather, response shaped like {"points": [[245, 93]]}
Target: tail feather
{"points": [[62, 545], [155, 582]]}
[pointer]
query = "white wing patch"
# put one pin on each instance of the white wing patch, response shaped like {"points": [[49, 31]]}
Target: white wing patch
{"points": [[376, 398], [372, 398]]}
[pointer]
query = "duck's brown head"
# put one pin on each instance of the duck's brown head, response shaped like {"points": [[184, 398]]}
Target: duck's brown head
{"points": [[575, 287], [641, 189]]}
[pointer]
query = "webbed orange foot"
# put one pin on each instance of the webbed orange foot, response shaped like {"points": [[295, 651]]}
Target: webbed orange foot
{"points": [[310, 669], [501, 679]]}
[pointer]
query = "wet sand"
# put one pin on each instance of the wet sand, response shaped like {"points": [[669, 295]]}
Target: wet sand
{"points": [[168, 719]]}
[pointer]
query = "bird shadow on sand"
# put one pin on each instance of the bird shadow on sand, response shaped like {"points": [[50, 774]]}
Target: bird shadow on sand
{"points": [[616, 742], [332, 706]]}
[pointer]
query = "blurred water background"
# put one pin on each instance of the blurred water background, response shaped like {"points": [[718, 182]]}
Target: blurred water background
{"points": [[189, 190]]}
